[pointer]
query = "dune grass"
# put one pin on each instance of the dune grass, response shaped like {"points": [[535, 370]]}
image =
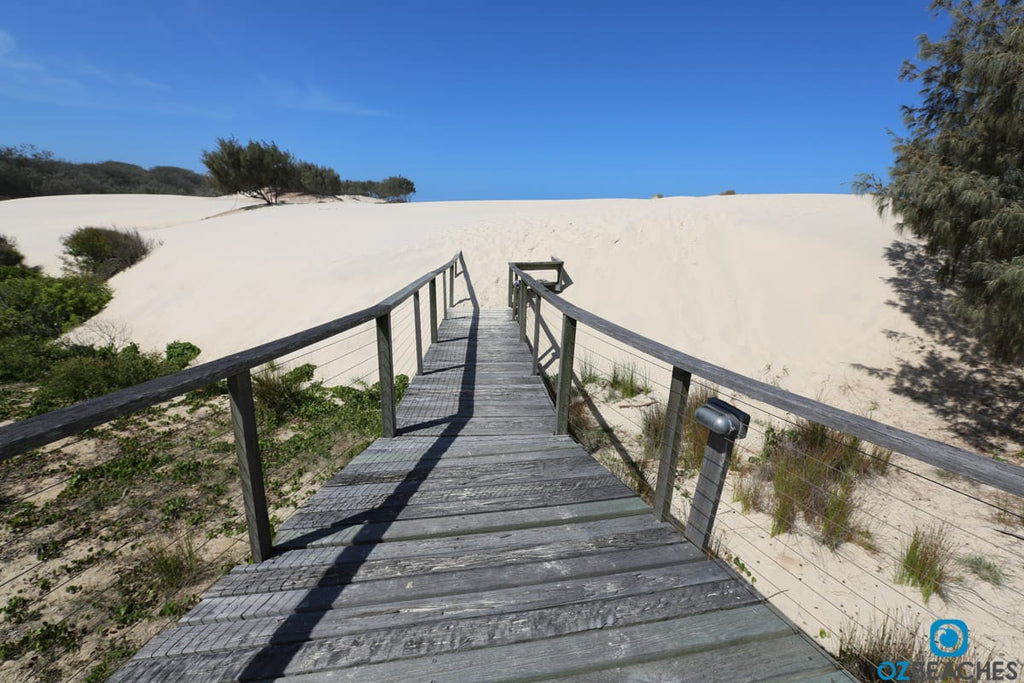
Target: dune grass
{"points": [[926, 561], [810, 471], [982, 567], [628, 381]]}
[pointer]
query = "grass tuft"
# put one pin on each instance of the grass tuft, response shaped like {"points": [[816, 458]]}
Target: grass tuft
{"points": [[983, 568], [925, 562], [861, 650], [652, 423], [814, 472], [628, 381]]}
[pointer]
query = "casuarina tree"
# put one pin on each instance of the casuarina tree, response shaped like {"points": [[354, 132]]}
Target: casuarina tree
{"points": [[957, 181], [258, 169]]}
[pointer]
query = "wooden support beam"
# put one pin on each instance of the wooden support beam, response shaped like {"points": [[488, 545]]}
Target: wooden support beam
{"points": [[432, 289], [536, 335], [250, 467], [419, 332], [451, 286], [565, 375], [386, 375], [524, 295], [671, 438]]}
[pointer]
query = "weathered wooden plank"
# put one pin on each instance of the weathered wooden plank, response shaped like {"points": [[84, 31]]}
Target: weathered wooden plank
{"points": [[589, 650], [376, 532], [383, 591], [331, 643], [335, 497], [458, 475], [425, 408], [405, 459], [346, 569], [478, 426], [396, 508], [787, 656], [484, 445], [595, 533]]}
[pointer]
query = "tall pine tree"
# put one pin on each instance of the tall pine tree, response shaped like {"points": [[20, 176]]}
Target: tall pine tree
{"points": [[957, 180]]}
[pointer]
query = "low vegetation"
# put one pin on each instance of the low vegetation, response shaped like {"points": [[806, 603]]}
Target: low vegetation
{"points": [[863, 649], [39, 370], [103, 252], [26, 171], [810, 471], [262, 170], [926, 561], [125, 526], [982, 567]]}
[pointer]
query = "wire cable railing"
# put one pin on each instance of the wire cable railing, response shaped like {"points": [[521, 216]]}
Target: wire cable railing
{"points": [[579, 343], [92, 579]]}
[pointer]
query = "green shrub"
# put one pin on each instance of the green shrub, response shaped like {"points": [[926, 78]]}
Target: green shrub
{"points": [[9, 254], [83, 377], [179, 354], [319, 180], [46, 306], [279, 394], [26, 358], [17, 272], [103, 252], [86, 373]]}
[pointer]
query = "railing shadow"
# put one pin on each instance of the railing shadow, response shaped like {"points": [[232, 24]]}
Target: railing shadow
{"points": [[297, 628]]}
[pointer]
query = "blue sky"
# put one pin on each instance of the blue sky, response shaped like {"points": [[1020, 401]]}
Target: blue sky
{"points": [[475, 99]]}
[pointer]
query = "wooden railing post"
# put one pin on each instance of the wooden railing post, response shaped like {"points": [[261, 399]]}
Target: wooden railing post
{"points": [[419, 333], [524, 295], [250, 467], [451, 286], [432, 288], [444, 295], [671, 438], [386, 375], [510, 275], [565, 375], [725, 424], [536, 335]]}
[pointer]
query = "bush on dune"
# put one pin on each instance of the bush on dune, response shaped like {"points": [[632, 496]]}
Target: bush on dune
{"points": [[86, 372], [41, 306], [103, 252]]}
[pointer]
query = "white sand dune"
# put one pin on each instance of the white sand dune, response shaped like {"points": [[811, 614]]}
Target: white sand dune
{"points": [[816, 292], [789, 287]]}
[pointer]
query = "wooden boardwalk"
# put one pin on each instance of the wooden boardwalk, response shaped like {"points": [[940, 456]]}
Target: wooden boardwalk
{"points": [[475, 546]]}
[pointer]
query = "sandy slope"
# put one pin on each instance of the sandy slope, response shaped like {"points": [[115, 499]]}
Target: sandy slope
{"points": [[790, 287], [813, 291]]}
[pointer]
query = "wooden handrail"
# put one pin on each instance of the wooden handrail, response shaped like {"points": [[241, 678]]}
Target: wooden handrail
{"points": [[43, 429], [1000, 475]]}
